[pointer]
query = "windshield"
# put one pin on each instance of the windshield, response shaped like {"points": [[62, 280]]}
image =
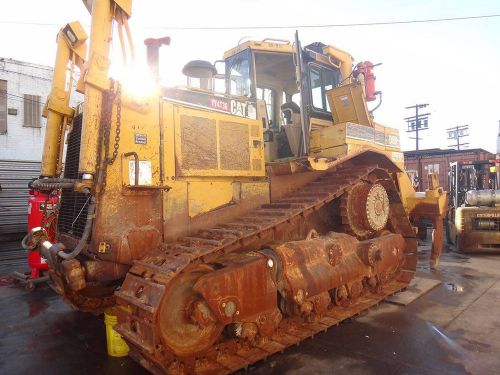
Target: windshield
{"points": [[238, 75]]}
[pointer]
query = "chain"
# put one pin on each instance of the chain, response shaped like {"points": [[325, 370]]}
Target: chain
{"points": [[107, 109], [106, 119], [118, 123]]}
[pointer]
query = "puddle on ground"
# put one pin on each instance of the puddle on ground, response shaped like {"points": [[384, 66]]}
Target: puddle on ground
{"points": [[446, 341], [454, 287], [470, 277]]}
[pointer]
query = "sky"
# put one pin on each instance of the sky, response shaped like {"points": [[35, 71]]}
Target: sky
{"points": [[453, 66]]}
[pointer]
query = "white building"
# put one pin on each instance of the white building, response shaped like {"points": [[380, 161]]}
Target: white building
{"points": [[23, 91]]}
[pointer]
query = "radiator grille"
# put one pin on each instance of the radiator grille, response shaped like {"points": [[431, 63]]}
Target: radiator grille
{"points": [[74, 206], [487, 224]]}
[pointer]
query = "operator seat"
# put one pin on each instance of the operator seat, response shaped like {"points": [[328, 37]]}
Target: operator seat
{"points": [[291, 113], [292, 125]]}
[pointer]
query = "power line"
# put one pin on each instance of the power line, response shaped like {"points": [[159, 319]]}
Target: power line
{"points": [[23, 99], [381, 23], [25, 74], [26, 64]]}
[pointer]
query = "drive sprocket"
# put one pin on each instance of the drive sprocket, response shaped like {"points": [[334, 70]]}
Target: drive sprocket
{"points": [[365, 209]]}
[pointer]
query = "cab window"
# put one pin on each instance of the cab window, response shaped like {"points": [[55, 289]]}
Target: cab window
{"points": [[316, 89], [268, 95], [238, 75], [321, 79]]}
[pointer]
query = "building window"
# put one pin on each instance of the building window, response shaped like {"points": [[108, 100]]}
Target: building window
{"points": [[431, 168], [413, 176], [3, 106], [32, 111]]}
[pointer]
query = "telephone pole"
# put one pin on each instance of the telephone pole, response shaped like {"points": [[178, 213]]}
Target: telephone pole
{"points": [[456, 133], [416, 124]]}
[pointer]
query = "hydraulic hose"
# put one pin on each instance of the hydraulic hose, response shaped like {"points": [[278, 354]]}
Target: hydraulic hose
{"points": [[86, 232], [24, 243], [53, 183]]}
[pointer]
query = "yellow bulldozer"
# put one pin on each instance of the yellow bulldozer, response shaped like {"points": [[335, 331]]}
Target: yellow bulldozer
{"points": [[224, 225]]}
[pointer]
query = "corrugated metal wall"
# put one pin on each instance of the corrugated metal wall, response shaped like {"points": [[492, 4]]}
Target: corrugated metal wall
{"points": [[14, 178]]}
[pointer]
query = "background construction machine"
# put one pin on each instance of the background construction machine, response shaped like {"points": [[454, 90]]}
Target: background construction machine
{"points": [[474, 206], [227, 225]]}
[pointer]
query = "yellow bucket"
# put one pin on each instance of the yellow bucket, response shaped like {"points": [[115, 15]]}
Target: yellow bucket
{"points": [[117, 347]]}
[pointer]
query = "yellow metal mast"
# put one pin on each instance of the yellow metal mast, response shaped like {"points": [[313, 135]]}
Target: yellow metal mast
{"points": [[71, 47], [96, 76]]}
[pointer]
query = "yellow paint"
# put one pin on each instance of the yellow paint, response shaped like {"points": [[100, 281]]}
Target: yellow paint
{"points": [[348, 104], [333, 141], [260, 46], [197, 191], [204, 196], [57, 110], [145, 125], [96, 81], [254, 143], [319, 123], [343, 59], [431, 202]]}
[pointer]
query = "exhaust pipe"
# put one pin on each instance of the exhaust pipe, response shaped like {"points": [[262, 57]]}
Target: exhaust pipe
{"points": [[153, 54]]}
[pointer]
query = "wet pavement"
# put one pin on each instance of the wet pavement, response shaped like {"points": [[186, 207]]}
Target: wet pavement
{"points": [[453, 329]]}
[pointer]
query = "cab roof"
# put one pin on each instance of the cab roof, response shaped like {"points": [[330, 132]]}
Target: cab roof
{"points": [[266, 45], [318, 51]]}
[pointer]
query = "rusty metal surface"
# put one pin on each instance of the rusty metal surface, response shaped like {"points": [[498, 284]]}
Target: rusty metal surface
{"points": [[74, 274], [372, 268], [335, 264], [365, 209]]}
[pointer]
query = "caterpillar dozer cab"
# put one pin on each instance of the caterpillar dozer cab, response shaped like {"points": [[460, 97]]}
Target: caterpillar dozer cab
{"points": [[227, 225]]}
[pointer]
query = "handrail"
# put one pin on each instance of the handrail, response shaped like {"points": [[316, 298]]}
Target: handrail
{"points": [[282, 41]]}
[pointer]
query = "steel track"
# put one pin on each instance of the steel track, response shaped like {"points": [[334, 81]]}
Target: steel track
{"points": [[150, 277]]}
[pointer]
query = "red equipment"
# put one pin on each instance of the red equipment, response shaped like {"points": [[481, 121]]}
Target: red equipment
{"points": [[41, 213], [366, 68]]}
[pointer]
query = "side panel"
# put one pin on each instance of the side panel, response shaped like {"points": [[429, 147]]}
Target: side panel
{"points": [[128, 217], [215, 144], [214, 164]]}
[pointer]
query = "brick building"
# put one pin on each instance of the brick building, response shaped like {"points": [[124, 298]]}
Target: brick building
{"points": [[438, 160]]}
